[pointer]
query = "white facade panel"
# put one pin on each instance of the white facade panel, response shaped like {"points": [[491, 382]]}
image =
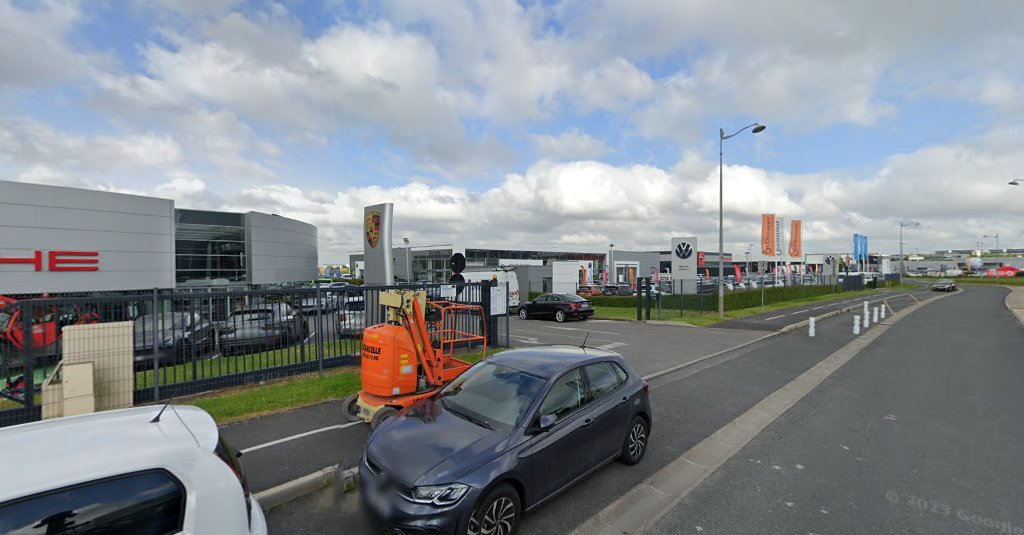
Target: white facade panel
{"points": [[280, 249], [132, 238]]}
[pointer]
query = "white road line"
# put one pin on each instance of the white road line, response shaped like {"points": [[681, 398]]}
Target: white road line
{"points": [[775, 317], [300, 435], [578, 329], [819, 308], [798, 312], [612, 345]]}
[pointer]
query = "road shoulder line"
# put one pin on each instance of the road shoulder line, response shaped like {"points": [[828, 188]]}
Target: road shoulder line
{"points": [[1015, 302], [646, 503]]}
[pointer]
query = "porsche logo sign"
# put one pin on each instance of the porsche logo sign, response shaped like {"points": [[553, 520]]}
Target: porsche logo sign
{"points": [[372, 228]]}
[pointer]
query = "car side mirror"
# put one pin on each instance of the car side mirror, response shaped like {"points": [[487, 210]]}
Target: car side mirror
{"points": [[547, 421]]}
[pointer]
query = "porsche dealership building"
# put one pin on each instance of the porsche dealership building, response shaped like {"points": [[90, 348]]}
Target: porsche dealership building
{"points": [[61, 240]]}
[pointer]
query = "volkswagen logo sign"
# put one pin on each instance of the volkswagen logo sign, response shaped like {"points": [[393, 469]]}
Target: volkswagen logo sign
{"points": [[684, 250], [830, 260]]}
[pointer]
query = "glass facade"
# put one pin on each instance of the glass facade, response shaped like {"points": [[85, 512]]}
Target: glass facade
{"points": [[431, 265], [209, 247]]}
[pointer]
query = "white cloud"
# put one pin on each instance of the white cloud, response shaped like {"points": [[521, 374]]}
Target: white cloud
{"points": [[568, 145], [33, 50]]}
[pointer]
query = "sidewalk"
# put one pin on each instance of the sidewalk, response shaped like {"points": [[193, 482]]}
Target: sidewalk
{"points": [[1015, 302]]}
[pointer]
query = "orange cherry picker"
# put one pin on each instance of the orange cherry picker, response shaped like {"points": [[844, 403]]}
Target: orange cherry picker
{"points": [[410, 357]]}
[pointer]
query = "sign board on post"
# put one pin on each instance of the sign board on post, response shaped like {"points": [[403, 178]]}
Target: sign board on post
{"points": [[768, 243], [499, 301], [377, 244], [684, 258], [795, 239]]}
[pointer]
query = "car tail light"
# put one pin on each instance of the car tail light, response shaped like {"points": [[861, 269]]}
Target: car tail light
{"points": [[341, 316], [226, 453], [647, 387], [575, 305]]}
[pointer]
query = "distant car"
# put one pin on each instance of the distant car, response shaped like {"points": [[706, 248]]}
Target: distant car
{"points": [[351, 317], [268, 326], [589, 291], [944, 285], [179, 336], [557, 306], [155, 469], [504, 437], [612, 289]]}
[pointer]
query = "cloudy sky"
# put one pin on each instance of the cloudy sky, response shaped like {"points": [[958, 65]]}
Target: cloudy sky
{"points": [[533, 124]]}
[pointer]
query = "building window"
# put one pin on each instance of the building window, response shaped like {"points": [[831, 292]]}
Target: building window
{"points": [[209, 248]]}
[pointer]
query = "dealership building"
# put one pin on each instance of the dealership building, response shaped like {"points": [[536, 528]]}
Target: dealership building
{"points": [[62, 240]]}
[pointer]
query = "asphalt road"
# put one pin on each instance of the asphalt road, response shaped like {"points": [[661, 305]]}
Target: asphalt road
{"points": [[688, 405], [920, 433], [316, 437]]}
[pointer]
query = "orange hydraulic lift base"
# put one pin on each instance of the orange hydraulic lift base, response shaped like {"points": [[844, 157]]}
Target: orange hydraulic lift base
{"points": [[400, 364]]}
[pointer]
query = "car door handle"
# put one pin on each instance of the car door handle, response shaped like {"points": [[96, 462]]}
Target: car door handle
{"points": [[587, 422]]}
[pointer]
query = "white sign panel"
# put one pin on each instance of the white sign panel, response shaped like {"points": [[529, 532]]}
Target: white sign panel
{"points": [[448, 291], [499, 304], [684, 258]]}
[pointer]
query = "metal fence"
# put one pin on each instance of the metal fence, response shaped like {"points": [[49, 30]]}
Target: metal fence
{"points": [[184, 343]]}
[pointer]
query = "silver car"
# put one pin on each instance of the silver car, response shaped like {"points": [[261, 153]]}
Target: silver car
{"points": [[351, 317]]}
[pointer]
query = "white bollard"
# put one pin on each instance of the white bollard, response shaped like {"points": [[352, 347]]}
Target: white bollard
{"points": [[867, 319], [876, 315], [856, 325], [883, 310], [810, 329]]}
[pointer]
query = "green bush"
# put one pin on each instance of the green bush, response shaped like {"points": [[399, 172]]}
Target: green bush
{"points": [[533, 295], [734, 300]]}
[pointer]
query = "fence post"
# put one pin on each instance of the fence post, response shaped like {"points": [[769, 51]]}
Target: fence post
{"points": [[639, 298], [508, 314], [319, 331], [27, 353], [647, 287], [156, 350]]}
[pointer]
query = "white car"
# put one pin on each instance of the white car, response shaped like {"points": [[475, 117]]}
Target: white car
{"points": [[155, 470]]}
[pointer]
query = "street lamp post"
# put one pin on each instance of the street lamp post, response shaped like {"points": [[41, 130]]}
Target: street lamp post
{"points": [[756, 128], [904, 224]]}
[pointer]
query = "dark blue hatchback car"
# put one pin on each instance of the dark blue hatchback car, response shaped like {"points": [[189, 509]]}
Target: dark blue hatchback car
{"points": [[507, 435]]}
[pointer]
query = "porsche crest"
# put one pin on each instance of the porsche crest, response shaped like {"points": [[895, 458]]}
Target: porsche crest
{"points": [[372, 228]]}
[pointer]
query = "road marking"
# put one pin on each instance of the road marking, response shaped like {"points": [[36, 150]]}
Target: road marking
{"points": [[798, 312], [298, 436], [578, 329], [526, 339], [653, 498], [612, 345], [775, 317], [819, 308]]}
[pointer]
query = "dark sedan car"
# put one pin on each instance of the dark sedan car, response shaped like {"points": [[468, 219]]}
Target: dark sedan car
{"points": [[944, 285], [557, 306], [504, 437], [258, 327], [179, 336]]}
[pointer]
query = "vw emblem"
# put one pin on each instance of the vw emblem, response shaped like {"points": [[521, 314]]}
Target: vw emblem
{"points": [[830, 260], [684, 250]]}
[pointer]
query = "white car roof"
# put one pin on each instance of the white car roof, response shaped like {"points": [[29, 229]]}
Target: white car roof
{"points": [[76, 449]]}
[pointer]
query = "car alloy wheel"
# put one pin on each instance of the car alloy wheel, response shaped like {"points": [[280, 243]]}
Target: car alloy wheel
{"points": [[522, 313], [559, 316], [497, 515], [635, 444]]}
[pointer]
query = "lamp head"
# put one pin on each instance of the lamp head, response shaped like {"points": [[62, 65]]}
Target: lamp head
{"points": [[758, 129]]}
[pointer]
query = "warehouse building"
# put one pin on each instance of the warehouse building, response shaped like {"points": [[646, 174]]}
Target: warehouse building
{"points": [[67, 240]]}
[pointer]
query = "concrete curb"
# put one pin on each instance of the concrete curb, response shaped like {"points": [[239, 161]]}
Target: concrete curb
{"points": [[297, 488], [1013, 299]]}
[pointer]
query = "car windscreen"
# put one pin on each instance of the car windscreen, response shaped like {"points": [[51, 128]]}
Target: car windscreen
{"points": [[174, 320], [495, 395], [574, 298], [355, 306]]}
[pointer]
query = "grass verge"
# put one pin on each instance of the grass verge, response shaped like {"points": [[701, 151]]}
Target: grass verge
{"points": [[710, 317], [236, 404]]}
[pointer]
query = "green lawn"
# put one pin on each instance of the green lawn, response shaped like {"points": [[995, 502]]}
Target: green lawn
{"points": [[241, 363], [241, 403], [710, 317]]}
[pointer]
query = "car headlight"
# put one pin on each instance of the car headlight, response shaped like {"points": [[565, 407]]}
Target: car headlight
{"points": [[438, 494]]}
